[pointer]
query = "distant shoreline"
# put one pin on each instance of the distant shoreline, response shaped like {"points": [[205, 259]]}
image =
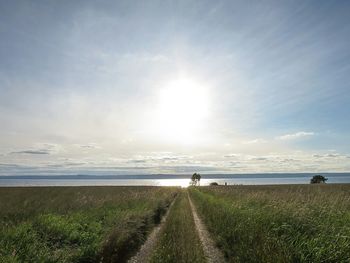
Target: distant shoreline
{"points": [[168, 179], [170, 176]]}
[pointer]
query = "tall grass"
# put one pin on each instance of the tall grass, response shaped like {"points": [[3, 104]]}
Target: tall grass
{"points": [[179, 241], [78, 224], [309, 223]]}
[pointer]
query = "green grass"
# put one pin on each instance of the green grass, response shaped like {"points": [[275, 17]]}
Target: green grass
{"points": [[78, 224], [305, 223], [309, 223], [179, 241]]}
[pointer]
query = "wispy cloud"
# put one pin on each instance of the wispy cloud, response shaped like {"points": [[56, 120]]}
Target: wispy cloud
{"points": [[32, 152], [260, 159], [159, 159], [40, 149], [329, 155], [255, 141], [281, 91], [296, 135], [89, 146], [232, 155]]}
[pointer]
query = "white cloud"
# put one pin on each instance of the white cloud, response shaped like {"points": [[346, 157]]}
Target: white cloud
{"points": [[254, 141], [89, 146], [296, 135], [41, 148], [329, 155], [232, 155]]}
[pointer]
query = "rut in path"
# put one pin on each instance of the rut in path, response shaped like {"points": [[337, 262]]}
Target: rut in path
{"points": [[145, 252], [212, 253]]}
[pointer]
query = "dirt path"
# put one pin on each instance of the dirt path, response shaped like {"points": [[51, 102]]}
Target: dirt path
{"points": [[213, 254], [143, 255]]}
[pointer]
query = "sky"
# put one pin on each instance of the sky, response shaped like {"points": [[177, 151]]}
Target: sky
{"points": [[144, 87]]}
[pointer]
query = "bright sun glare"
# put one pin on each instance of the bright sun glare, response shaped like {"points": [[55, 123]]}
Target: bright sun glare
{"points": [[183, 106]]}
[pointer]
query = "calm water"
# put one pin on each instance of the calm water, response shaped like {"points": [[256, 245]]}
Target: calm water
{"points": [[168, 180]]}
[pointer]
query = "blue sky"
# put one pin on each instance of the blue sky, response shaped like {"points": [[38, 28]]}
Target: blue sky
{"points": [[107, 86]]}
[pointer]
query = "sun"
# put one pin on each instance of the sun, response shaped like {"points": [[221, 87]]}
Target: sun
{"points": [[182, 109]]}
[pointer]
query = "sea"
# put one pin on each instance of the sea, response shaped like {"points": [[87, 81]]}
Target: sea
{"points": [[182, 180]]}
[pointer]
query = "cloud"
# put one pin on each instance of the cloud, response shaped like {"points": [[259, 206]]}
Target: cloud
{"points": [[232, 155], [66, 164], [15, 169], [260, 159], [296, 135], [254, 141], [188, 168], [137, 161], [159, 158], [32, 152], [6, 165], [332, 155], [89, 146], [40, 149], [329, 155]]}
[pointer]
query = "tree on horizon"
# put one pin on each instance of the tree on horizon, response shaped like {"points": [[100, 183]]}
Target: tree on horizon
{"points": [[195, 179], [318, 179]]}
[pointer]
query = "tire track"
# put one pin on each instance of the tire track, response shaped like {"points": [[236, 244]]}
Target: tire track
{"points": [[145, 252], [212, 253]]}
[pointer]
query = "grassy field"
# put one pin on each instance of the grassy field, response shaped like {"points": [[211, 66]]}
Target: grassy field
{"points": [[179, 241], [78, 224], [305, 223], [291, 223]]}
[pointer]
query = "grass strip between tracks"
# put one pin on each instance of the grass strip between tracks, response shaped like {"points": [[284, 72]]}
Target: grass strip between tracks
{"points": [[179, 241]]}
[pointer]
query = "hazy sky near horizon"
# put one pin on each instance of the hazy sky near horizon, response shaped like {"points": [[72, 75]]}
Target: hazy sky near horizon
{"points": [[115, 87]]}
